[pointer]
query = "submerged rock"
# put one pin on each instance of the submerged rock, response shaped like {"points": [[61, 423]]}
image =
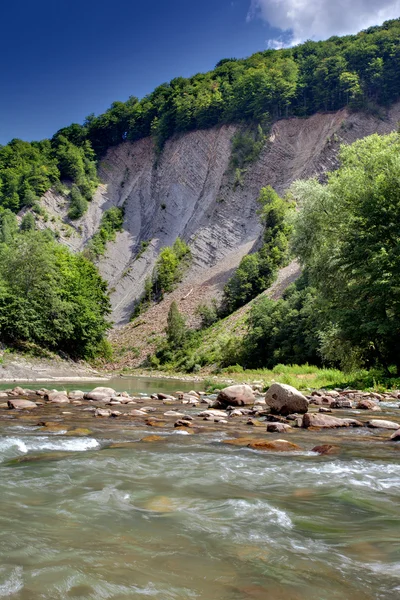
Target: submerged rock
{"points": [[262, 444], [284, 399], [326, 449], [236, 395]]}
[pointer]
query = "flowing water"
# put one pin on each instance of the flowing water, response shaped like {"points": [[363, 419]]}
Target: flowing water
{"points": [[192, 518]]}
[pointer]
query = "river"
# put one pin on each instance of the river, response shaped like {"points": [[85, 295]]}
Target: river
{"points": [[192, 518]]}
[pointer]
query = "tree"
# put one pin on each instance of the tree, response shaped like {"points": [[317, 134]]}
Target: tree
{"points": [[348, 237], [28, 222], [176, 327]]}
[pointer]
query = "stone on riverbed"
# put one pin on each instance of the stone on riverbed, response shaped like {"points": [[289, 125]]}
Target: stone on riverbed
{"points": [[284, 399], [262, 444], [102, 412], [76, 395], [368, 405], [21, 404], [236, 395], [326, 449], [57, 398], [382, 424], [395, 437], [100, 393], [278, 428], [326, 421]]}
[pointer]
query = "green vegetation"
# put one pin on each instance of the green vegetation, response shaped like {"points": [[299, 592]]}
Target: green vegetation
{"points": [[169, 269], [345, 309], [257, 271], [111, 222], [360, 71], [28, 170], [49, 297]]}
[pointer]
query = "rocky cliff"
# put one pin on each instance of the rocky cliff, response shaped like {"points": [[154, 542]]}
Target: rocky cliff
{"points": [[188, 191]]}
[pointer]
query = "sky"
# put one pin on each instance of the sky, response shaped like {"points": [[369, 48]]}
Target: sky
{"points": [[64, 59]]}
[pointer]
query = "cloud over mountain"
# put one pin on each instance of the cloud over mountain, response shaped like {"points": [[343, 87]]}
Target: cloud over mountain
{"points": [[320, 19]]}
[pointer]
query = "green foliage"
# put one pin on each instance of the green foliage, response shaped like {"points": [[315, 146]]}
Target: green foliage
{"points": [[176, 327], [208, 313], [170, 267], [28, 170], [167, 273], [283, 331], [28, 222], [8, 226], [50, 297], [347, 235], [111, 222], [78, 204], [257, 271]]}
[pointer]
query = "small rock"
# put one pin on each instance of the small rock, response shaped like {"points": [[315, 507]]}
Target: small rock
{"points": [[76, 395], [395, 437], [323, 409], [339, 403], [138, 413], [255, 423], [278, 428], [102, 412], [183, 423], [173, 413], [368, 405], [326, 449]]}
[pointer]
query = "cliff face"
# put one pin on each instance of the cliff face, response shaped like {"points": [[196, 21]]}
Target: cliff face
{"points": [[189, 192]]}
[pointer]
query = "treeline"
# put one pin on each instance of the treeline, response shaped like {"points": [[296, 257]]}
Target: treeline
{"points": [[49, 298], [345, 309], [358, 70]]}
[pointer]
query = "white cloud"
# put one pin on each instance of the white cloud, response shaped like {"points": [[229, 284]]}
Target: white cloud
{"points": [[320, 19]]}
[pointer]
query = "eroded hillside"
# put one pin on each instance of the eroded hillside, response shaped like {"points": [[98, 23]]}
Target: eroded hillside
{"points": [[189, 192]]}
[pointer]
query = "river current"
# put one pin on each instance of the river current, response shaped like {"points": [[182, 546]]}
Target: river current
{"points": [[192, 518]]}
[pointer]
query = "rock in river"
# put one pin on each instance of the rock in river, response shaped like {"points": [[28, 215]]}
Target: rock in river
{"points": [[236, 395], [382, 424], [395, 437], [21, 404], [284, 399], [326, 421]]}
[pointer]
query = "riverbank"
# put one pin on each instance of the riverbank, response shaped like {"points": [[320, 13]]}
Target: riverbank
{"points": [[16, 367]]}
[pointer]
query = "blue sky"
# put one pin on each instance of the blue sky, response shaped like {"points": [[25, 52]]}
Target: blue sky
{"points": [[64, 59]]}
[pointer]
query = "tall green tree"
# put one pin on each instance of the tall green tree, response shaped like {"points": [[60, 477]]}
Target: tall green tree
{"points": [[348, 237]]}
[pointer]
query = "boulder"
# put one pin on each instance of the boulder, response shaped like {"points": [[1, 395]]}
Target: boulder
{"points": [[366, 404], [382, 424], [327, 422], [100, 393], [284, 399], [57, 398], [21, 404], [236, 395], [395, 437]]}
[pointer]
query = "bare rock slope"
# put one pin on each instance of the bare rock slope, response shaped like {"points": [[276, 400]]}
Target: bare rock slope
{"points": [[189, 192]]}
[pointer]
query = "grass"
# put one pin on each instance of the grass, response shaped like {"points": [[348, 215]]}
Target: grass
{"points": [[307, 377]]}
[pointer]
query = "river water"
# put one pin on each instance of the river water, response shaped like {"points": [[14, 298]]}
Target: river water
{"points": [[193, 518]]}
